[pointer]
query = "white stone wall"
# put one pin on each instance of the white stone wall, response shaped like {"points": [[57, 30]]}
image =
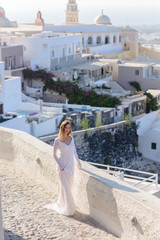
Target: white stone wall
{"points": [[47, 127], [148, 133], [18, 123], [41, 51], [145, 143], [111, 202], [12, 94], [107, 48]]}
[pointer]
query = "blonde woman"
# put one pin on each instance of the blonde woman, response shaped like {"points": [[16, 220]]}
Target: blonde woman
{"points": [[64, 153]]}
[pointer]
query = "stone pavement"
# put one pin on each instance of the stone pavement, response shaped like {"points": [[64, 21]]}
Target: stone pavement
{"points": [[24, 217]]}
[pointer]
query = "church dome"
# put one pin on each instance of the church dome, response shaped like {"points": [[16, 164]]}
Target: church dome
{"points": [[102, 19], [4, 22]]}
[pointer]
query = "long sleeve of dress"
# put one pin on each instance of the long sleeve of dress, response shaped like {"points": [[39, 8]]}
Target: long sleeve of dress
{"points": [[55, 147], [76, 156]]}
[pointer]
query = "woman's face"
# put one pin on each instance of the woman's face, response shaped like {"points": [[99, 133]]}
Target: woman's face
{"points": [[67, 128]]}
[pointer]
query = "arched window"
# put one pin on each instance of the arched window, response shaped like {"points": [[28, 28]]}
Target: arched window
{"points": [[83, 41], [114, 39], [106, 40], [98, 40], [120, 38], [90, 40]]}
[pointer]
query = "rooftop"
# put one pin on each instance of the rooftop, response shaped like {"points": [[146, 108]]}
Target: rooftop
{"points": [[136, 64], [90, 66], [154, 92]]}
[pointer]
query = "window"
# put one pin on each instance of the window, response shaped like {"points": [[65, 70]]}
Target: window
{"points": [[45, 45], [98, 40], [22, 85], [14, 61], [1, 108], [120, 38], [106, 40], [153, 145], [6, 63], [52, 53], [136, 72], [90, 40], [63, 52], [114, 39], [82, 41]]}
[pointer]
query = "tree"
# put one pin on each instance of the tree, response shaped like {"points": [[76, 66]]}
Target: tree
{"points": [[84, 123], [136, 85], [151, 103], [98, 121]]}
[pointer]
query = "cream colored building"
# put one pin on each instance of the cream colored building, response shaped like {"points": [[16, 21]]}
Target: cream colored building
{"points": [[102, 37], [146, 74]]}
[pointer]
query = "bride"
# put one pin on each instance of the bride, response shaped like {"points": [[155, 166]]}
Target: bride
{"points": [[65, 153]]}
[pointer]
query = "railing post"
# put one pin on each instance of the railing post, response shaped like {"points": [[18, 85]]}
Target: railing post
{"points": [[122, 175], [108, 168], [156, 180]]}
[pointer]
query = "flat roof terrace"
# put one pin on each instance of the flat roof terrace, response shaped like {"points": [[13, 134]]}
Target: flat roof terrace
{"points": [[136, 64]]}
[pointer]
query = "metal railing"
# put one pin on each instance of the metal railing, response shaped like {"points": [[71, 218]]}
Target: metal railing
{"points": [[122, 173]]}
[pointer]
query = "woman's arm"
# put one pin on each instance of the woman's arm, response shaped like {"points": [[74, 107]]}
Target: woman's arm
{"points": [[76, 156], [55, 147]]}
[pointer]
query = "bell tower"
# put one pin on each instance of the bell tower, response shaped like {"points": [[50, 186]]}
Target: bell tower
{"points": [[72, 13]]}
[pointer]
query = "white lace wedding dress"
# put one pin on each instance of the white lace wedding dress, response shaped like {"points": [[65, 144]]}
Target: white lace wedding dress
{"points": [[65, 156]]}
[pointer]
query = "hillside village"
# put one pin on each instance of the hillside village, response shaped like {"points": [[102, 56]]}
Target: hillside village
{"points": [[101, 78]]}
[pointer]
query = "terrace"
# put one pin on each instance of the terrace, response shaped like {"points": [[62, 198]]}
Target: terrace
{"points": [[29, 181]]}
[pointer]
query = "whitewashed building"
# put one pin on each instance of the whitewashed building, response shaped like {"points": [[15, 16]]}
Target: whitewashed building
{"points": [[149, 136], [48, 50], [10, 89], [29, 117]]}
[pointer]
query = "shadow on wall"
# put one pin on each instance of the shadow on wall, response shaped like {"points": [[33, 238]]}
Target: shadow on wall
{"points": [[10, 235], [102, 203], [85, 218]]}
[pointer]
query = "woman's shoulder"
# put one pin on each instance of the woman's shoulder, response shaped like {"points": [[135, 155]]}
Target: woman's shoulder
{"points": [[56, 139], [72, 138]]}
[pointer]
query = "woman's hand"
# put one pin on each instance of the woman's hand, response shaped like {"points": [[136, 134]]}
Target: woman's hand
{"points": [[62, 169], [79, 165]]}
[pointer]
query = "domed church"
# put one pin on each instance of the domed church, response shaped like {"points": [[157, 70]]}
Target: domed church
{"points": [[5, 22], [102, 20], [101, 36]]}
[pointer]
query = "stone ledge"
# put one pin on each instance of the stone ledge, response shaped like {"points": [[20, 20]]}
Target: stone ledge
{"points": [[111, 202]]}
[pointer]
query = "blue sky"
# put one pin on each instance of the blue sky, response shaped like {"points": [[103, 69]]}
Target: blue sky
{"points": [[121, 12]]}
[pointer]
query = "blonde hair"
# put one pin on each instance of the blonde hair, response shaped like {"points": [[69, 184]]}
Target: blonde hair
{"points": [[62, 129]]}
